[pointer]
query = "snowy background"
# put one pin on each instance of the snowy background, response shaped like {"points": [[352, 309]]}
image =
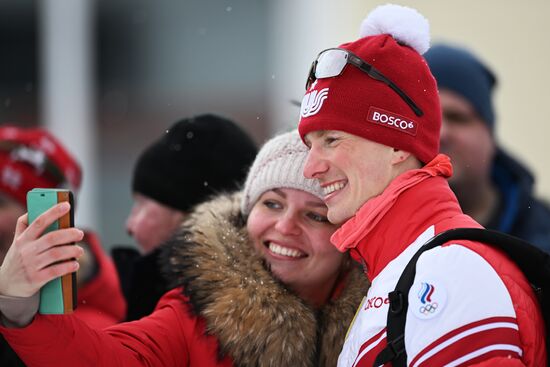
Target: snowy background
{"points": [[108, 77]]}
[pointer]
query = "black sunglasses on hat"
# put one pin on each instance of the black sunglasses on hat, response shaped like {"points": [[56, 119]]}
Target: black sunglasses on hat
{"points": [[332, 62]]}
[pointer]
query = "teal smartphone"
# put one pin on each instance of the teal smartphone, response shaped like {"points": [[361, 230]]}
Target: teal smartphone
{"points": [[58, 296]]}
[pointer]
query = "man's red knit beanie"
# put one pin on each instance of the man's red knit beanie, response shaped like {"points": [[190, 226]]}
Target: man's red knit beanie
{"points": [[393, 41]]}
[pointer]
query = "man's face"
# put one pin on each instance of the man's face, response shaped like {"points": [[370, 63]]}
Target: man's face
{"points": [[10, 210], [151, 223], [350, 169], [466, 139]]}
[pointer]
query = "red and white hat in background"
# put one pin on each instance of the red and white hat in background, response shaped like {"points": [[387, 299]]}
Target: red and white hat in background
{"points": [[358, 102], [32, 157]]}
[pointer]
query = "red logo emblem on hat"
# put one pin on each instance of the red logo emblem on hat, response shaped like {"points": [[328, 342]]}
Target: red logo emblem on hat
{"points": [[392, 120]]}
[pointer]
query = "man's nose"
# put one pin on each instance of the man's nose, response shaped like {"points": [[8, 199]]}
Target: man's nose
{"points": [[315, 165]]}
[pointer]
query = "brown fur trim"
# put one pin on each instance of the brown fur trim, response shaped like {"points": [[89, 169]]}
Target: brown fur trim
{"points": [[257, 321], [336, 316]]}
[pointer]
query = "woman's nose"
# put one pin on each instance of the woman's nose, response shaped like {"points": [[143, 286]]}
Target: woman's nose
{"points": [[288, 224]]}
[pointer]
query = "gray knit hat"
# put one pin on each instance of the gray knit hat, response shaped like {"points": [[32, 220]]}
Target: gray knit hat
{"points": [[279, 164]]}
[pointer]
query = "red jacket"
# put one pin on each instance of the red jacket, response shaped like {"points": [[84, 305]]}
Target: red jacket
{"points": [[469, 303], [169, 337], [233, 307]]}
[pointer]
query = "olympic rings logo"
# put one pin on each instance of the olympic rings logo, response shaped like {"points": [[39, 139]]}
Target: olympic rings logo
{"points": [[429, 308]]}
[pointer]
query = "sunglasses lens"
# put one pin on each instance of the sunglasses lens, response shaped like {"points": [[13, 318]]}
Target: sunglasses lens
{"points": [[331, 63], [311, 75]]}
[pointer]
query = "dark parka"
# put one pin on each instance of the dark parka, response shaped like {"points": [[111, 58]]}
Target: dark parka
{"points": [[519, 213]]}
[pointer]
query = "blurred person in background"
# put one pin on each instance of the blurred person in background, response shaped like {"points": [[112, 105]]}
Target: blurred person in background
{"points": [[32, 157], [491, 185], [194, 159], [259, 282]]}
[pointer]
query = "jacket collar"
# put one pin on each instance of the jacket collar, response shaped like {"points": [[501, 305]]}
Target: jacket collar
{"points": [[385, 225]]}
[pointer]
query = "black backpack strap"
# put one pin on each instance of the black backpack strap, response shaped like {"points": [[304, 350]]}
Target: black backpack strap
{"points": [[534, 263], [395, 351]]}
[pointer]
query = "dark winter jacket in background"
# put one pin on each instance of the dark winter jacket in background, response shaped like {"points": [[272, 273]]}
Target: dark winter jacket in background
{"points": [[520, 213], [142, 282]]}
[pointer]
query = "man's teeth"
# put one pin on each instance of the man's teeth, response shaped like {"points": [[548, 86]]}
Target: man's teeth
{"points": [[285, 251], [335, 186]]}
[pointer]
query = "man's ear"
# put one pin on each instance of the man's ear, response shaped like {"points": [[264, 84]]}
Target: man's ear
{"points": [[399, 156]]}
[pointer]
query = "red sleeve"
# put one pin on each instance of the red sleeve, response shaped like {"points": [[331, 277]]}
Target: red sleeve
{"points": [[156, 340]]}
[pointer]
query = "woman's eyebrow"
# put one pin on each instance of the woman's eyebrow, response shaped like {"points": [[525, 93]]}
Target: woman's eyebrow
{"points": [[279, 192]]}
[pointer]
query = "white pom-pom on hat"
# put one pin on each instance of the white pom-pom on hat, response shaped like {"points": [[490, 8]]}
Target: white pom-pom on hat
{"points": [[404, 24]]}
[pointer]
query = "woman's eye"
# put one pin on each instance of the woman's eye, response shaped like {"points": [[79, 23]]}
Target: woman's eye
{"points": [[318, 217], [271, 204]]}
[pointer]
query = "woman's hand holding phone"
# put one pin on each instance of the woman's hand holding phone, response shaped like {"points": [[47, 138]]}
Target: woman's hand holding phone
{"points": [[35, 259]]}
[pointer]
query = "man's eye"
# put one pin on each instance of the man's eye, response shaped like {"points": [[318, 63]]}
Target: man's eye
{"points": [[458, 117], [318, 217], [330, 140]]}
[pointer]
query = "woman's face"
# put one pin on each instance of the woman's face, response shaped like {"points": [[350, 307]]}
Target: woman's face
{"points": [[289, 228]]}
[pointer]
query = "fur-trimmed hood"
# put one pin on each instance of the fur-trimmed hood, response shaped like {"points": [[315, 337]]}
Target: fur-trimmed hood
{"points": [[257, 321]]}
